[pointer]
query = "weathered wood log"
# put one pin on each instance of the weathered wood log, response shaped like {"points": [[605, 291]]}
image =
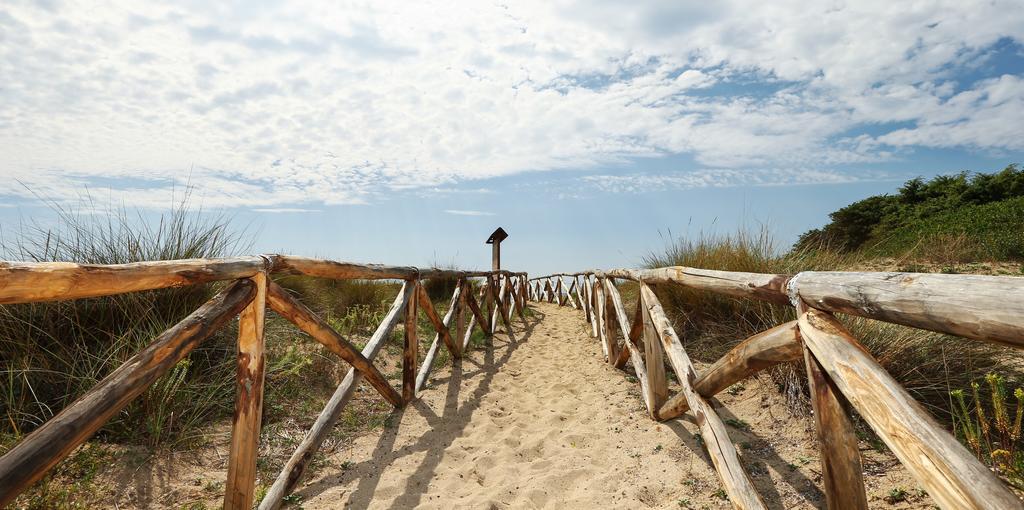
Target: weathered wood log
{"points": [[618, 309], [37, 453], [469, 333], [345, 270], [477, 313], [841, 475], [410, 349], [297, 313], [766, 287], [518, 303], [435, 345], [245, 429], [602, 324], [293, 470], [354, 271], [636, 331], [763, 350], [654, 355], [636, 356], [971, 306], [460, 317], [26, 282], [439, 325], [593, 307], [737, 485], [943, 467], [581, 292], [494, 302], [509, 300], [571, 298], [524, 292], [611, 326], [501, 312]]}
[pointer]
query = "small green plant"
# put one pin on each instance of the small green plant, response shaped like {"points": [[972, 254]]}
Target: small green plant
{"points": [[737, 423], [896, 495], [684, 503], [720, 494], [658, 448], [989, 429]]}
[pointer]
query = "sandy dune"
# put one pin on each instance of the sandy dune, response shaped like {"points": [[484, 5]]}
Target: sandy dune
{"points": [[543, 423]]}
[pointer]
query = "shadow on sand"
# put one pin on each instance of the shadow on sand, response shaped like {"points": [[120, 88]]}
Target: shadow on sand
{"points": [[444, 428]]}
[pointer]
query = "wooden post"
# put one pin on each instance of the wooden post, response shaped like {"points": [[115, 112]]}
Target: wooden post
{"points": [[658, 330], [602, 330], [435, 345], [245, 432], [478, 314], [36, 454], [460, 316], [438, 323], [611, 324], [495, 240], [590, 284], [837, 441], [410, 352], [293, 470], [500, 311], [943, 467], [654, 357]]}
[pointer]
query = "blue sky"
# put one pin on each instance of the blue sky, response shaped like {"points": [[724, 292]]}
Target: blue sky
{"points": [[398, 133]]}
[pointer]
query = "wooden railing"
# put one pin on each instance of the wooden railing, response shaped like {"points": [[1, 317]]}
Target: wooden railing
{"points": [[251, 291], [841, 373]]}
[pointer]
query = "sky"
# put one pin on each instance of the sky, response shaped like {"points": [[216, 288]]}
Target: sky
{"points": [[593, 132]]}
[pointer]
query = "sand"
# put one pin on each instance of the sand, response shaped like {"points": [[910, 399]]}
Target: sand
{"points": [[544, 423], [540, 423]]}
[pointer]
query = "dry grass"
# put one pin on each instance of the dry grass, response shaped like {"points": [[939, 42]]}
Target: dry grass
{"points": [[929, 365]]}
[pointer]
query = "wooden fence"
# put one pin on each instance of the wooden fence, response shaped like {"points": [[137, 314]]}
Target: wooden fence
{"points": [[247, 296], [841, 373]]}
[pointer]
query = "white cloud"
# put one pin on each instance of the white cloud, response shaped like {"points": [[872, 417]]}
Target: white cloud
{"points": [[285, 210], [281, 103], [464, 212], [723, 178]]}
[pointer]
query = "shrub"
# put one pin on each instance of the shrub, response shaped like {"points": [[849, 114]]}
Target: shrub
{"points": [[985, 209]]}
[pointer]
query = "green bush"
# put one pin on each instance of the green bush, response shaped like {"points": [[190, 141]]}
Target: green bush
{"points": [[956, 217]]}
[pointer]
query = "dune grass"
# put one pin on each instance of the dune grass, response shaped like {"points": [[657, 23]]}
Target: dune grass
{"points": [[51, 353]]}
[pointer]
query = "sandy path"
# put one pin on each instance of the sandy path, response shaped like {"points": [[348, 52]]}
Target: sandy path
{"points": [[538, 424], [543, 423]]}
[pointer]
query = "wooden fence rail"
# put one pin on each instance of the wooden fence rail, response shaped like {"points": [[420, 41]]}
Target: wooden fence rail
{"points": [[842, 375], [502, 294]]}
